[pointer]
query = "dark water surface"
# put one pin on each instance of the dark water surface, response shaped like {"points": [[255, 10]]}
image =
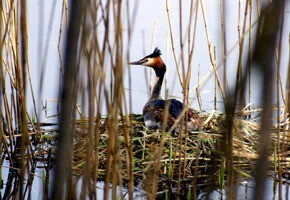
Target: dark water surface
{"points": [[244, 191]]}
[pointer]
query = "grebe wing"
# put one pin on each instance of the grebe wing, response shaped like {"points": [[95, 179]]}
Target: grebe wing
{"points": [[175, 107]]}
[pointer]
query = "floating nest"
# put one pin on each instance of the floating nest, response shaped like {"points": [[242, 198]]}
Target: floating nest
{"points": [[193, 159]]}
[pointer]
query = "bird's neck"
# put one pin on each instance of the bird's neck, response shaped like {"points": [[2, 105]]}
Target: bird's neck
{"points": [[155, 95]]}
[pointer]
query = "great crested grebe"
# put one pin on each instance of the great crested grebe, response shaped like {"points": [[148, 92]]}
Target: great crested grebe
{"points": [[154, 109]]}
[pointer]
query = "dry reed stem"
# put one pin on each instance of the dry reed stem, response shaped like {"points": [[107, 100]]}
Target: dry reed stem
{"points": [[211, 70], [21, 81], [239, 77], [250, 52], [59, 46], [224, 45], [172, 41], [279, 85], [95, 138], [211, 56]]}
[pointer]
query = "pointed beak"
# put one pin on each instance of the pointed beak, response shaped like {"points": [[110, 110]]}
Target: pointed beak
{"points": [[140, 62]]}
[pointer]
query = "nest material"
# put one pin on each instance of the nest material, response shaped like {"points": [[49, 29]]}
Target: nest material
{"points": [[197, 155]]}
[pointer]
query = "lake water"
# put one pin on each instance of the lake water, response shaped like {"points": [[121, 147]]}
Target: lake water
{"points": [[44, 23], [244, 191]]}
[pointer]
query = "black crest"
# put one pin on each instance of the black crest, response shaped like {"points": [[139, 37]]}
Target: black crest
{"points": [[155, 53]]}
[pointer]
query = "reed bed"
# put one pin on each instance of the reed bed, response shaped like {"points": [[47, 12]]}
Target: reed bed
{"points": [[97, 138], [205, 156]]}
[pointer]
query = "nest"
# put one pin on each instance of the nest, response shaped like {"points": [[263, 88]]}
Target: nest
{"points": [[194, 159]]}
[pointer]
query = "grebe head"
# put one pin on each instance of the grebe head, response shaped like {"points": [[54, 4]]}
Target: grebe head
{"points": [[153, 60]]}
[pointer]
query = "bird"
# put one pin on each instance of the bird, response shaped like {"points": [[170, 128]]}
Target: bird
{"points": [[154, 110]]}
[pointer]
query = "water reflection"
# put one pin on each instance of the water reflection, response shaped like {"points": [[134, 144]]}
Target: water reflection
{"points": [[39, 172]]}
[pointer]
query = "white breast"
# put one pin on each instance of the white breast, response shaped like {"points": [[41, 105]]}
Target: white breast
{"points": [[150, 123]]}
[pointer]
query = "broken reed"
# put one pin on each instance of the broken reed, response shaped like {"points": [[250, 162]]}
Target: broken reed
{"points": [[98, 87]]}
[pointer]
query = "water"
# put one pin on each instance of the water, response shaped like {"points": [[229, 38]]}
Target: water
{"points": [[247, 188], [43, 51], [146, 18], [244, 192]]}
